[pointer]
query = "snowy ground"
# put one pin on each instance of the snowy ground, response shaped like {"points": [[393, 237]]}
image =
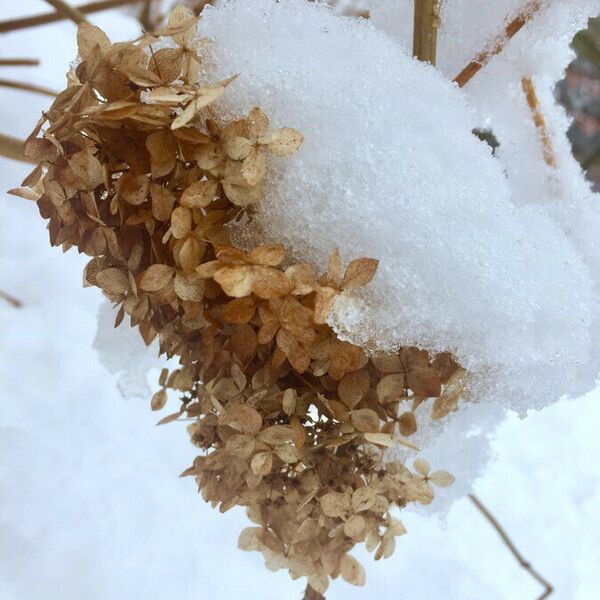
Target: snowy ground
{"points": [[90, 503]]}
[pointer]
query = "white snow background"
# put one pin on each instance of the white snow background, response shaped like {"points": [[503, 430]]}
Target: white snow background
{"points": [[90, 503]]}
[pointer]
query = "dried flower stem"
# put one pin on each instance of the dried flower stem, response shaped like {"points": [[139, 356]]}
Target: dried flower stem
{"points": [[19, 62], [28, 87], [10, 299], [144, 17], [513, 549], [44, 19], [311, 594], [69, 11], [13, 148], [426, 23], [538, 119], [496, 46]]}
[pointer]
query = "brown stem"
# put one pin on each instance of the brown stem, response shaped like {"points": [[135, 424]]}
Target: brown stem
{"points": [[426, 23], [312, 594], [513, 549], [525, 15], [44, 19], [13, 148], [11, 299], [538, 119], [70, 12], [19, 62], [28, 87], [144, 17]]}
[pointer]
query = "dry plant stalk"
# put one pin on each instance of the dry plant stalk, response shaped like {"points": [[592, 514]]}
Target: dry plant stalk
{"points": [[13, 148], [135, 170], [27, 87], [19, 62], [144, 16], [548, 589], [426, 24], [52, 17], [70, 12], [528, 11], [10, 299], [538, 119]]}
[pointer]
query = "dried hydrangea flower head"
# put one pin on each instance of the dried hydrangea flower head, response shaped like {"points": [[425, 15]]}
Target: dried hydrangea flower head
{"points": [[137, 171]]}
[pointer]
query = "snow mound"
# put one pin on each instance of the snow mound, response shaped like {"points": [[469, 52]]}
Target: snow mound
{"points": [[390, 169]]}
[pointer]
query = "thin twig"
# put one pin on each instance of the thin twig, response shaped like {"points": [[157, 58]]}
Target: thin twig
{"points": [[52, 17], [19, 62], [538, 119], [426, 24], [27, 87], [13, 148], [510, 545], [11, 299], [69, 11], [144, 17], [311, 594], [496, 46]]}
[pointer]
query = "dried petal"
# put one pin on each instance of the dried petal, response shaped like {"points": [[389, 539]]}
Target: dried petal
{"points": [[200, 194], [237, 147], [269, 256], [162, 202], [91, 39], [353, 387], [113, 281], [159, 399], [352, 571], [156, 277], [335, 504], [254, 167], [441, 478], [262, 463], [407, 423], [236, 282], [391, 388], [275, 435], [355, 526], [163, 151], [365, 420], [133, 188], [422, 467], [359, 273], [284, 141]]}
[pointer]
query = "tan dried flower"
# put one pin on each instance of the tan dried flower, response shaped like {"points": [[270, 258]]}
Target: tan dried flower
{"points": [[137, 172]]}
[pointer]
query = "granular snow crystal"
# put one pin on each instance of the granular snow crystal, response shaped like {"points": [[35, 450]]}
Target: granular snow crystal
{"points": [[390, 169]]}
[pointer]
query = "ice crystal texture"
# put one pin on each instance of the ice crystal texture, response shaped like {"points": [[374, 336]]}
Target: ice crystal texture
{"points": [[390, 169]]}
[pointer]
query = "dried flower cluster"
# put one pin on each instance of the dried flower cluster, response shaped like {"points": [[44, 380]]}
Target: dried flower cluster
{"points": [[136, 171]]}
